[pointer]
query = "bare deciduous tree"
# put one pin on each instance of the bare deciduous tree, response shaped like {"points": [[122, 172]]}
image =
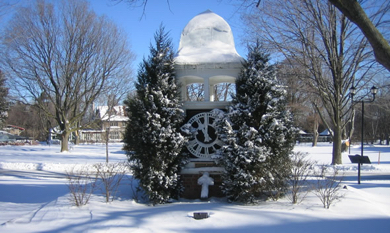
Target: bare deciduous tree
{"points": [[314, 34], [30, 118], [195, 92], [300, 98], [67, 53], [221, 91], [3, 99], [224, 91]]}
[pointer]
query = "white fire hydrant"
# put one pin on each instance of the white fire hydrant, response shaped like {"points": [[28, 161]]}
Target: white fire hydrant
{"points": [[205, 180]]}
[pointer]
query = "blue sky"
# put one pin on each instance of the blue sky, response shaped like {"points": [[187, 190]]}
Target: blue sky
{"points": [[175, 16]]}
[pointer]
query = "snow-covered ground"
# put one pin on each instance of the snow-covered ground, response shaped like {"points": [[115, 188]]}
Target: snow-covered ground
{"points": [[34, 198]]}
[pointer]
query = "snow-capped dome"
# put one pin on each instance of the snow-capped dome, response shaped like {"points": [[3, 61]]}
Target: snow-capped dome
{"points": [[207, 38]]}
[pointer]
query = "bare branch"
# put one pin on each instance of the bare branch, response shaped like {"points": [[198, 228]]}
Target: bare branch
{"points": [[356, 14]]}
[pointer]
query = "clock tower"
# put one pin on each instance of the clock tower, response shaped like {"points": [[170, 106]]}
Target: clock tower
{"points": [[206, 58]]}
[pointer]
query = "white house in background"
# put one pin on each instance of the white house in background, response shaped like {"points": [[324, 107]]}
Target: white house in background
{"points": [[113, 120]]}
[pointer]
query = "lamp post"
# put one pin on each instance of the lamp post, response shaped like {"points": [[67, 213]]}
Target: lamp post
{"points": [[352, 92]]}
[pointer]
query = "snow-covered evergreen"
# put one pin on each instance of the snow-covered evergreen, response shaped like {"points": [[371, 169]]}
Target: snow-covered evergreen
{"points": [[258, 133], [152, 139]]}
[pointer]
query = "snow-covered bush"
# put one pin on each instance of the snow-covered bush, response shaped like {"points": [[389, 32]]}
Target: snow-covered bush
{"points": [[153, 140], [258, 134]]}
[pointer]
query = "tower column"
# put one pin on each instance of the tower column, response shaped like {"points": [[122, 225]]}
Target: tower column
{"points": [[206, 86], [183, 90], [212, 92]]}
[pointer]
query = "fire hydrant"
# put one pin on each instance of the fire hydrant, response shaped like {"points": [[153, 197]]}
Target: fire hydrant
{"points": [[205, 180]]}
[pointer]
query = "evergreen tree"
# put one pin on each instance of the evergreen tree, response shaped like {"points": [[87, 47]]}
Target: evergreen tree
{"points": [[152, 139], [3, 100], [258, 133]]}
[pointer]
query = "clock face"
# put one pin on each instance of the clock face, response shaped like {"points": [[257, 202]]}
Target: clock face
{"points": [[205, 141]]}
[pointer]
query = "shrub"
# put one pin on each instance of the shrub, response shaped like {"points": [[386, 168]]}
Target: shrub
{"points": [[327, 188], [110, 175], [81, 184], [300, 171]]}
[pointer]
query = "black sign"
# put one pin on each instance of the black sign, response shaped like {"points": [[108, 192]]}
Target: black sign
{"points": [[359, 159]]}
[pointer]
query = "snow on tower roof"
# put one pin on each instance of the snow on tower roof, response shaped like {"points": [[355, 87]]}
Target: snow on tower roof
{"points": [[207, 38]]}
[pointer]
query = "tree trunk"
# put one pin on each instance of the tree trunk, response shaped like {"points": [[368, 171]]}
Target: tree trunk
{"points": [[77, 135], [315, 138], [107, 139], [64, 141], [352, 130], [81, 57], [77, 140], [336, 158], [315, 132]]}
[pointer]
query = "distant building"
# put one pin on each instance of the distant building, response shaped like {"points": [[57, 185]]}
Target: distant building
{"points": [[13, 129], [11, 138], [6, 137], [112, 121]]}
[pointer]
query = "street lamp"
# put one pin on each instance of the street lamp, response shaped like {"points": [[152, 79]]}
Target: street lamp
{"points": [[352, 92]]}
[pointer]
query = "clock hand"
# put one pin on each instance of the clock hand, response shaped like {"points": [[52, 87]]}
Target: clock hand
{"points": [[206, 135], [205, 129]]}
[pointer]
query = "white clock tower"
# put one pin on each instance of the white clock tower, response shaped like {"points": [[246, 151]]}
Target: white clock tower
{"points": [[207, 56]]}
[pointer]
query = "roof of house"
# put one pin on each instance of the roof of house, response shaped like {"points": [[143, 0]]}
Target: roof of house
{"points": [[117, 114], [15, 127]]}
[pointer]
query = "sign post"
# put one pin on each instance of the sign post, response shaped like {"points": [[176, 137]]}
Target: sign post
{"points": [[359, 160]]}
